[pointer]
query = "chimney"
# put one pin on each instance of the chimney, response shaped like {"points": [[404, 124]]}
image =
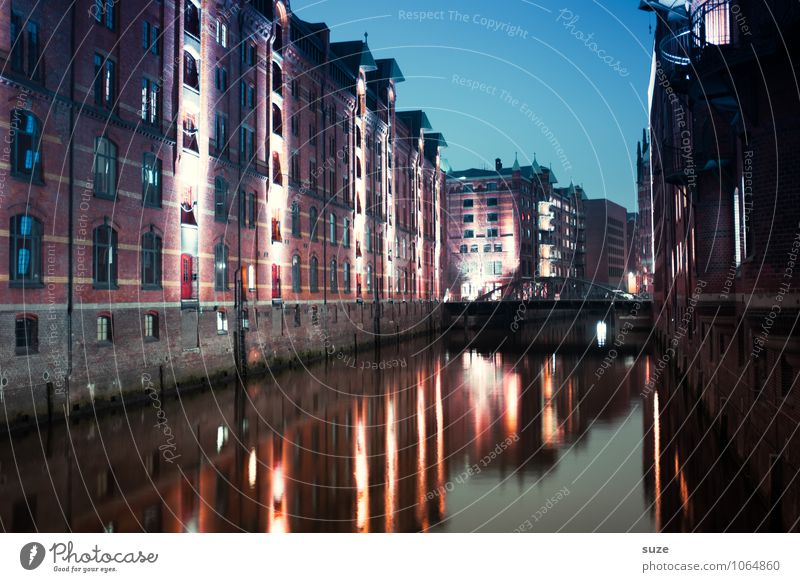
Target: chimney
{"points": [[498, 164]]}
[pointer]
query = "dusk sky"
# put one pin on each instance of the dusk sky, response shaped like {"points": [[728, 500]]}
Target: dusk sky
{"points": [[565, 80]]}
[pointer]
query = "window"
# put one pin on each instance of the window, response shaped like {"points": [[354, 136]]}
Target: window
{"points": [[26, 250], [104, 81], [491, 186], [151, 326], [295, 219], [469, 218], [221, 79], [104, 12], [469, 203], [247, 149], [498, 248], [296, 274], [25, 152], [277, 120], [492, 217], [191, 18], [462, 249], [313, 280], [332, 229], [312, 135], [190, 132], [150, 109], [222, 34], [151, 261], [251, 210], [346, 232], [150, 37], [26, 332], [191, 71], [105, 168], [334, 276], [25, 46], [220, 267], [277, 79], [469, 233], [105, 257], [104, 332], [312, 222], [222, 322], [491, 233], [487, 248], [491, 202], [497, 267], [468, 188], [368, 238], [247, 51], [276, 230], [151, 180], [276, 281], [369, 278], [295, 122], [473, 248], [242, 208], [220, 199], [346, 276]]}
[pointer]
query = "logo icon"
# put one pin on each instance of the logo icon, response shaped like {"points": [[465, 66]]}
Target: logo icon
{"points": [[31, 555]]}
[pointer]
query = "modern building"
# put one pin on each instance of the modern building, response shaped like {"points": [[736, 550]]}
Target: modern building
{"points": [[726, 223], [194, 185], [606, 225]]}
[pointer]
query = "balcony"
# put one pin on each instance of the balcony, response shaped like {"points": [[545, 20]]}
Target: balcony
{"points": [[676, 48]]}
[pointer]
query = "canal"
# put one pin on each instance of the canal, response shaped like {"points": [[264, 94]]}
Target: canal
{"points": [[546, 429]]}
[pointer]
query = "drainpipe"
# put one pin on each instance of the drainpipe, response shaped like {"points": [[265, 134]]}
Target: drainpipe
{"points": [[71, 212]]}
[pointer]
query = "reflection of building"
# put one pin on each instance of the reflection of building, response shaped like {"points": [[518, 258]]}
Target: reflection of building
{"points": [[606, 242], [726, 216], [261, 181], [507, 224]]}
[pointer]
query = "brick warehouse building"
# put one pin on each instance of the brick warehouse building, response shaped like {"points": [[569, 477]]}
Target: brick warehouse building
{"points": [[643, 252], [726, 224], [509, 224], [190, 185]]}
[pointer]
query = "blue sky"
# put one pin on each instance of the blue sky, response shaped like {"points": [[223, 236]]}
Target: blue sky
{"points": [[565, 80]]}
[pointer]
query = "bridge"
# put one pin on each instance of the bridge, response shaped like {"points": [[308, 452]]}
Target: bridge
{"points": [[525, 299]]}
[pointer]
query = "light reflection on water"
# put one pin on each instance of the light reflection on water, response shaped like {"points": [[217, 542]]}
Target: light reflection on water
{"points": [[456, 441]]}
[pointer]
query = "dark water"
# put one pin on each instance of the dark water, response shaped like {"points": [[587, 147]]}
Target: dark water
{"points": [[443, 436]]}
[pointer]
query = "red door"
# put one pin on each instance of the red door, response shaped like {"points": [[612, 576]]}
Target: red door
{"points": [[186, 276]]}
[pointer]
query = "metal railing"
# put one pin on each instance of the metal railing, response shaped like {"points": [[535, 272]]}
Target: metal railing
{"points": [[711, 23], [676, 48]]}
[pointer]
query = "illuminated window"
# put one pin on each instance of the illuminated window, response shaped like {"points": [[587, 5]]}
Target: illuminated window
{"points": [[222, 322], [26, 250], [25, 151], [104, 332]]}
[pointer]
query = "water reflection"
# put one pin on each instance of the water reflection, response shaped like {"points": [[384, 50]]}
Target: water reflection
{"points": [[459, 440]]}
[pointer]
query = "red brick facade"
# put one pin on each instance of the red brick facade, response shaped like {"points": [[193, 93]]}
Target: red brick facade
{"points": [[188, 185]]}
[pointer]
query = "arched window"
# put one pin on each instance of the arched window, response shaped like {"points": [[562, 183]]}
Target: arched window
{"points": [[26, 332], [334, 276], [313, 281], [191, 19], [277, 120], [277, 175], [295, 219], [220, 267], [104, 329], [312, 222], [191, 71], [151, 325], [151, 180], [277, 79], [346, 276], [26, 250], [369, 279], [358, 167], [220, 199], [296, 274], [358, 136], [25, 154], [105, 256], [332, 228], [105, 168], [151, 260]]}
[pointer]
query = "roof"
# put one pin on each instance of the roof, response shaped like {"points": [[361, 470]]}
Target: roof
{"points": [[416, 121], [354, 55], [388, 69]]}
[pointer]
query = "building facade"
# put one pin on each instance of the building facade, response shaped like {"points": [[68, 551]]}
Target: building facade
{"points": [[191, 186], [606, 224], [726, 224], [643, 250]]}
